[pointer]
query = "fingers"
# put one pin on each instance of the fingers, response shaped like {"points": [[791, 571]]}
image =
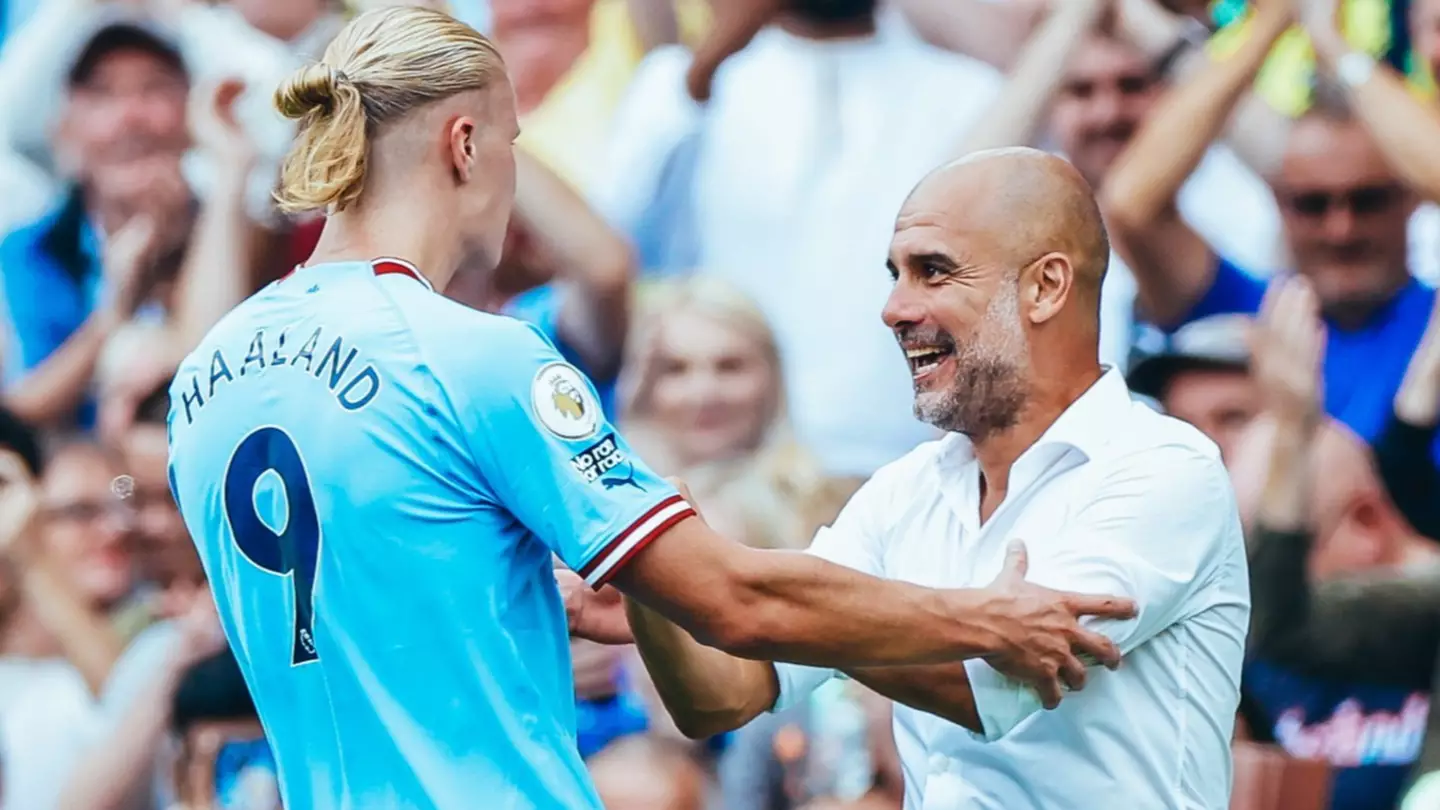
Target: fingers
{"points": [[1104, 607], [1095, 647], [1050, 692], [1017, 562], [1072, 673]]}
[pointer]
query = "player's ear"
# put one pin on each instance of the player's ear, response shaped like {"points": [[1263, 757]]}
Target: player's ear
{"points": [[462, 147], [1045, 286]]}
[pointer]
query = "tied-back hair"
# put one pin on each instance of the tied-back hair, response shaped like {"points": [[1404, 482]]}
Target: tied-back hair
{"points": [[382, 66]]}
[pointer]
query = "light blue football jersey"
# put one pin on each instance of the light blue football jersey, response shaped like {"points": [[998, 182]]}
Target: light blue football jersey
{"points": [[376, 478]]}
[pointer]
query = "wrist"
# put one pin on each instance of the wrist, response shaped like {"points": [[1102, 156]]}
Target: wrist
{"points": [[977, 616]]}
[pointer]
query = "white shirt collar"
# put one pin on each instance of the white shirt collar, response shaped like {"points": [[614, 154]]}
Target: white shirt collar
{"points": [[1082, 426]]}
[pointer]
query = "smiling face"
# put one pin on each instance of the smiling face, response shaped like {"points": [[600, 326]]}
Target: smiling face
{"points": [[997, 261]]}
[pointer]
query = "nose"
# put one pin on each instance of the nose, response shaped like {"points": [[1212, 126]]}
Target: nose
{"points": [[904, 306], [1339, 223], [1105, 108]]}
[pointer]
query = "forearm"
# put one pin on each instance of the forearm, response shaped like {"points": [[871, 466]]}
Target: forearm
{"points": [[706, 691], [791, 606], [991, 32], [1032, 82], [587, 253], [215, 275], [1146, 179], [85, 635], [939, 689], [1405, 459], [53, 389], [116, 772], [1404, 128], [1285, 498], [1378, 630]]}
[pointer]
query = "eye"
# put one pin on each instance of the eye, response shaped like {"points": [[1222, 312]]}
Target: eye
{"points": [[932, 272]]}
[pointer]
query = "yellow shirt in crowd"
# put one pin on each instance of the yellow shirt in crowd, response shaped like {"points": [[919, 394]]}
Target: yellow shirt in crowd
{"points": [[1285, 79], [569, 131]]}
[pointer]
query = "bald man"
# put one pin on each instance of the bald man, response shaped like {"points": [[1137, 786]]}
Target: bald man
{"points": [[998, 261]]}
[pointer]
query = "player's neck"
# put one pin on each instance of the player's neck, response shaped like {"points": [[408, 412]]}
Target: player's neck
{"points": [[997, 452], [365, 233]]}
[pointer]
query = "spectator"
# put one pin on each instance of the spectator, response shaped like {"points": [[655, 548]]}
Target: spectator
{"points": [[703, 399], [1203, 377], [1342, 669], [1345, 215], [224, 758], [1092, 85], [788, 179], [1402, 451], [122, 134], [571, 60]]}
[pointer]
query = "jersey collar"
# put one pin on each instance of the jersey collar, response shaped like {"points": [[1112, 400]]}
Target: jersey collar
{"points": [[386, 266]]}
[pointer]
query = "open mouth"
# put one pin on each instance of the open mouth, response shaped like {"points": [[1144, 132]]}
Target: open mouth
{"points": [[924, 360]]}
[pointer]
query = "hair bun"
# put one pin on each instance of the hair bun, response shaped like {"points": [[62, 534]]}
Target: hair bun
{"points": [[308, 89]]}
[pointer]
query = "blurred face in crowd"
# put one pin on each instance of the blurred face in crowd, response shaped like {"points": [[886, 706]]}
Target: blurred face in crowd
{"points": [[164, 552], [1220, 402], [129, 112], [282, 19], [713, 388], [1357, 526], [85, 527], [1346, 216], [508, 15], [1108, 90]]}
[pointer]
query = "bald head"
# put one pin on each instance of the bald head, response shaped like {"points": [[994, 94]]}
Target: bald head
{"points": [[998, 260], [1028, 201]]}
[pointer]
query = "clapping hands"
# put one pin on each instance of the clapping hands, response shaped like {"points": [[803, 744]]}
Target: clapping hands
{"points": [[1287, 345]]}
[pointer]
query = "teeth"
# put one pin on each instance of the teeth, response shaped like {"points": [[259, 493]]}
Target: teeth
{"points": [[914, 353]]}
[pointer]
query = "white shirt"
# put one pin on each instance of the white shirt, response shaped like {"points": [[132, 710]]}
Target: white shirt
{"points": [[807, 151], [1116, 499]]}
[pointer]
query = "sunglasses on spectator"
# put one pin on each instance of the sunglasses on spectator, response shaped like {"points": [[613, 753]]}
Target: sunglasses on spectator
{"points": [[1360, 201]]}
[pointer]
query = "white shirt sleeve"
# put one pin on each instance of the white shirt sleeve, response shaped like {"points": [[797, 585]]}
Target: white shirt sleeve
{"points": [[854, 541], [1154, 530]]}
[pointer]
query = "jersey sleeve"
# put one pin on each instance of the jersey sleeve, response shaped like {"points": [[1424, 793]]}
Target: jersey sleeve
{"points": [[1155, 531], [551, 457]]}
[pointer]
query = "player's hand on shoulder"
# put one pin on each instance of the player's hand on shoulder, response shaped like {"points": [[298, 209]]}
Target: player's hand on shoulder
{"points": [[1044, 645], [594, 615]]}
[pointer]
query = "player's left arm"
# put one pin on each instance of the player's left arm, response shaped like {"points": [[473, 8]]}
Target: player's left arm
{"points": [[1161, 524]]}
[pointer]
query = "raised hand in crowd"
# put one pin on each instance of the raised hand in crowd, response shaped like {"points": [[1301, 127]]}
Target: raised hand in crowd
{"points": [[217, 270], [1402, 451], [1287, 346]]}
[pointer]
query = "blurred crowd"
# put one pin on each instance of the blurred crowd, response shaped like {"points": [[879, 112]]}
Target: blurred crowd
{"points": [[704, 201]]}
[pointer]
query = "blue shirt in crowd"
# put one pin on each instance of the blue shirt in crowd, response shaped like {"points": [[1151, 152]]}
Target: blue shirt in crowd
{"points": [[51, 276], [1364, 366], [1370, 734]]}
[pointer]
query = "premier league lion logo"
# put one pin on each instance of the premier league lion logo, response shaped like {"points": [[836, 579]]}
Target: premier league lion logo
{"points": [[568, 400]]}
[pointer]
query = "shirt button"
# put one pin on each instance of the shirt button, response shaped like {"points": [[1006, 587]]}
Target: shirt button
{"points": [[939, 763]]}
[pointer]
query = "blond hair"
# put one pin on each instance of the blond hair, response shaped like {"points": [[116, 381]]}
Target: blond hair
{"points": [[775, 494], [382, 66]]}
